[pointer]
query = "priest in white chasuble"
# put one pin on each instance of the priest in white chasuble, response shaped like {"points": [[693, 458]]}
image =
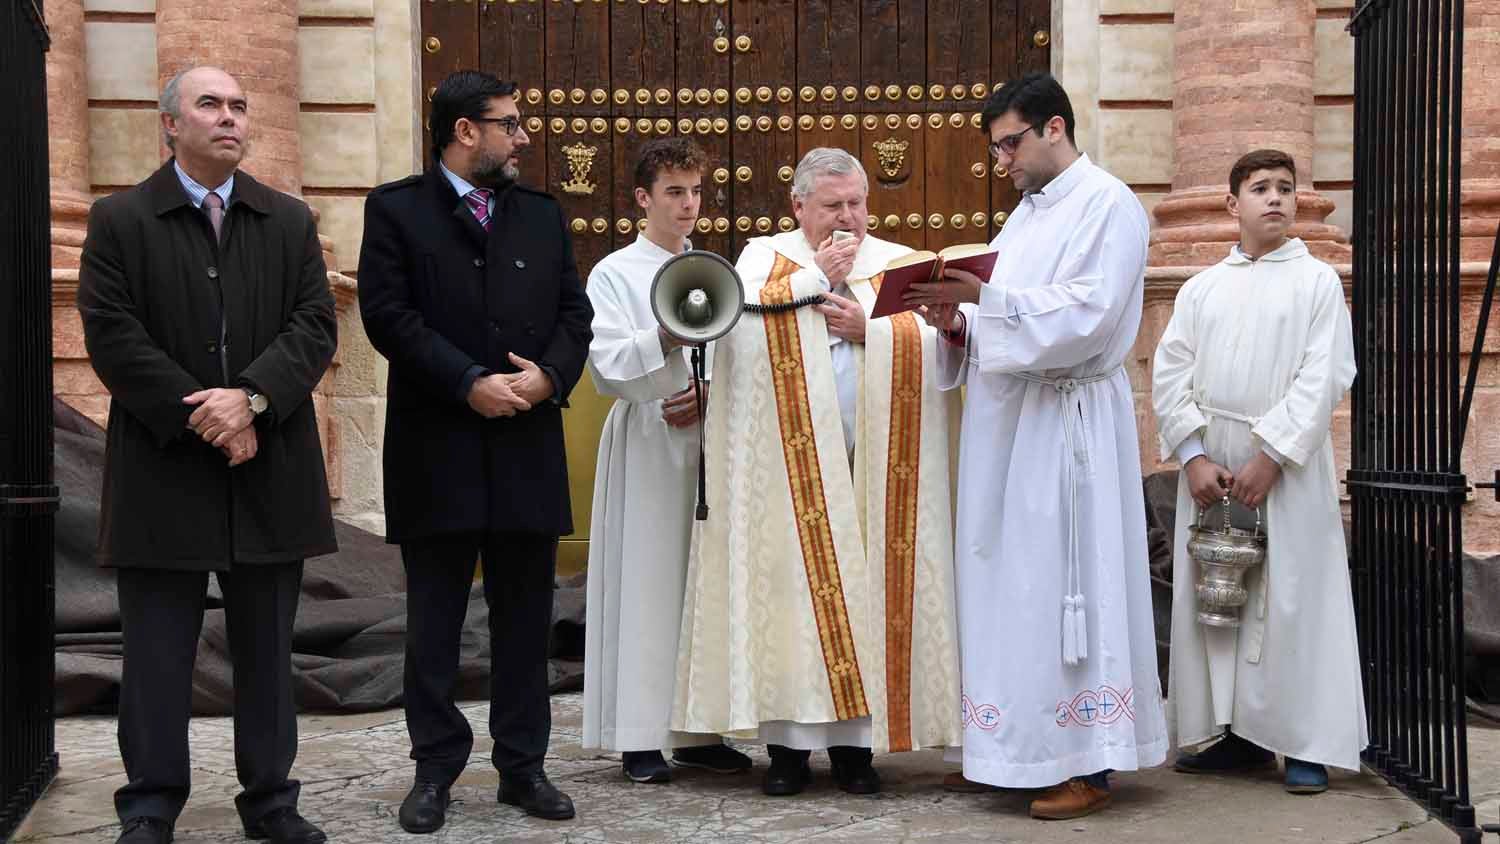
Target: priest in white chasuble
{"points": [[1058, 638], [819, 609], [643, 487]]}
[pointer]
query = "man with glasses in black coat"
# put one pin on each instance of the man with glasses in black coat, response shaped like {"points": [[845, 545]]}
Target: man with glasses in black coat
{"points": [[467, 284]]}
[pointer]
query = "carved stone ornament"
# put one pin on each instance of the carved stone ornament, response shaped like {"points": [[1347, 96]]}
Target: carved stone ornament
{"points": [[580, 163], [892, 156]]}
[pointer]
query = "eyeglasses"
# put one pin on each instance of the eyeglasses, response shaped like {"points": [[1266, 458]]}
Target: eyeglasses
{"points": [[1009, 143], [508, 123]]}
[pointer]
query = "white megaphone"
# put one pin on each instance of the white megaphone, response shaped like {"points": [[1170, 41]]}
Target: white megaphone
{"points": [[697, 298]]}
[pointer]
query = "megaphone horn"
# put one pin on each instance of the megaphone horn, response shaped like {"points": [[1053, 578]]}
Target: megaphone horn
{"points": [[697, 297]]}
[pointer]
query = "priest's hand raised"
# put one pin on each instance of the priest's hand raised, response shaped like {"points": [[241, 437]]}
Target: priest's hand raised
{"points": [[846, 318], [836, 258], [1208, 482], [681, 410], [1253, 482]]}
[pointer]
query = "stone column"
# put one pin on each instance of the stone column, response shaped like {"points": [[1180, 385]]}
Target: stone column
{"points": [[1479, 216], [68, 133], [68, 168], [255, 41], [1243, 80], [1479, 197]]}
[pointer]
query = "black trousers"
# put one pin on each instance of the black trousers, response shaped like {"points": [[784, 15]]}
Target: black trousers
{"points": [[838, 754], [518, 583], [161, 614]]}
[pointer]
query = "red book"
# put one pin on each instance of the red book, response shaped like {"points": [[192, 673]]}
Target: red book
{"points": [[901, 273]]}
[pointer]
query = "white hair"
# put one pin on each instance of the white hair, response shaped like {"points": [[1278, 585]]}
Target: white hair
{"points": [[170, 103], [824, 161]]}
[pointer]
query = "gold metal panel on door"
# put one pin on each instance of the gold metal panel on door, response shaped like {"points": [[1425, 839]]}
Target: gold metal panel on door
{"points": [[956, 179], [892, 150]]}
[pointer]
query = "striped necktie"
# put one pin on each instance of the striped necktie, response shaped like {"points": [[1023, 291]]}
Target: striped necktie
{"points": [[479, 203], [214, 205]]}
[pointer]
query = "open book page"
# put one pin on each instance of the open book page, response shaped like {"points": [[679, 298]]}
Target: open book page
{"points": [[915, 267]]}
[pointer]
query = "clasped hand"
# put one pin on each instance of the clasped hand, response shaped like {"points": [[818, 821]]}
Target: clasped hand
{"points": [[222, 418], [507, 394], [1208, 482]]}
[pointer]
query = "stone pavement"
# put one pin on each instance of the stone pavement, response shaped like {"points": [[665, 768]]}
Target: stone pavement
{"points": [[354, 771]]}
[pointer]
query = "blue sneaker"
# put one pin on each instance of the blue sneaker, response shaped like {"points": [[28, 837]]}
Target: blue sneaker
{"points": [[1305, 777]]}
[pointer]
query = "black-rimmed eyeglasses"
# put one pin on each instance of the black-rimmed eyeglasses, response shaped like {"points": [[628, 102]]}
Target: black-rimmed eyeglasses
{"points": [[1009, 143], [508, 124]]}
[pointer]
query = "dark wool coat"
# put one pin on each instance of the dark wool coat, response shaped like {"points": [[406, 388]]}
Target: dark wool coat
{"points": [[442, 299], [154, 292]]}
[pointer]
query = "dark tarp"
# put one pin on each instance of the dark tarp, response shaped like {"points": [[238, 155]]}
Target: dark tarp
{"points": [[351, 623], [347, 647]]}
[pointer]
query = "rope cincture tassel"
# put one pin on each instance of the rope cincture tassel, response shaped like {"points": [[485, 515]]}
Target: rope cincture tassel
{"points": [[1069, 631]]}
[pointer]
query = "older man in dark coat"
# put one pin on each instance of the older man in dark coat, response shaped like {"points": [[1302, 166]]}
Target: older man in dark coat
{"points": [[207, 315], [467, 284]]}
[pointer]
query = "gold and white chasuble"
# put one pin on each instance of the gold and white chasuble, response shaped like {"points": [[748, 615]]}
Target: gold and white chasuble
{"points": [[819, 595]]}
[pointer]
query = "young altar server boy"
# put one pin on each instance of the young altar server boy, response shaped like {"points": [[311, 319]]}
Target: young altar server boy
{"points": [[643, 487], [1257, 355]]}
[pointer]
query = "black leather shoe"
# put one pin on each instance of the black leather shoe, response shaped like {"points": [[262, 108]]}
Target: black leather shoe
{"points": [[645, 766], [719, 758], [425, 808], [284, 826], [537, 795], [145, 830], [785, 778], [857, 778]]}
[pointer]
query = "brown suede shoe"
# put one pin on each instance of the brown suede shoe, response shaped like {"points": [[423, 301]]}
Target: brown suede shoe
{"points": [[957, 783], [1072, 799]]}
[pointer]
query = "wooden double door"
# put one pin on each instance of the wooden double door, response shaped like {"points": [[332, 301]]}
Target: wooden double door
{"points": [[756, 83]]}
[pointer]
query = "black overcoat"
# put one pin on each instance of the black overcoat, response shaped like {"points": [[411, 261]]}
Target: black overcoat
{"points": [[152, 290], [441, 298]]}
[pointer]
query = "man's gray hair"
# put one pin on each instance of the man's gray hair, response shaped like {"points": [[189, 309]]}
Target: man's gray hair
{"points": [[170, 102], [824, 161]]}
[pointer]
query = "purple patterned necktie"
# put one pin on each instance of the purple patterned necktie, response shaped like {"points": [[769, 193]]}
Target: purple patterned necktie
{"points": [[479, 203], [214, 204]]}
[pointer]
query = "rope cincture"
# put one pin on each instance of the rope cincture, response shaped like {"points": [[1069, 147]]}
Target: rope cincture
{"points": [[1075, 629]]}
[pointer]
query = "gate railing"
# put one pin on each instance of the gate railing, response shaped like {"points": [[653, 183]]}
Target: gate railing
{"points": [[28, 499], [1405, 480]]}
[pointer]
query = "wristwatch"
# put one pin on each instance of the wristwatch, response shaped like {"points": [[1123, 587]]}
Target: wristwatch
{"points": [[258, 403]]}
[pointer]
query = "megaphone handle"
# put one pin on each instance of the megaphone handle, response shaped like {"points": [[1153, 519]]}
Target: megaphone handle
{"points": [[697, 358]]}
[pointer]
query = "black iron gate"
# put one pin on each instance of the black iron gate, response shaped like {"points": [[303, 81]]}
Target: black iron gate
{"points": [[28, 499], [1410, 409]]}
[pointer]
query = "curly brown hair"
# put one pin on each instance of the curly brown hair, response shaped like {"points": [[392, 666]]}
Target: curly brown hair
{"points": [[668, 154], [1261, 159]]}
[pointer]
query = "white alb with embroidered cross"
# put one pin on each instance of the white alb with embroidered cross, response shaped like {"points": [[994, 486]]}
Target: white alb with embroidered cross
{"points": [[1054, 600], [1259, 353]]}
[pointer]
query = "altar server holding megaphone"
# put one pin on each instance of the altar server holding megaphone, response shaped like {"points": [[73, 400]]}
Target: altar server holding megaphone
{"points": [[648, 460]]}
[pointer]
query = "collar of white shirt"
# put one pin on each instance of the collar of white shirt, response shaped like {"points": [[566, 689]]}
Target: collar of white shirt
{"points": [[197, 192], [1063, 183], [652, 248], [1293, 248]]}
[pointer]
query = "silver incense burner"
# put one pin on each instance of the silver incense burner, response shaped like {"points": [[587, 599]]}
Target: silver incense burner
{"points": [[1224, 555]]}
